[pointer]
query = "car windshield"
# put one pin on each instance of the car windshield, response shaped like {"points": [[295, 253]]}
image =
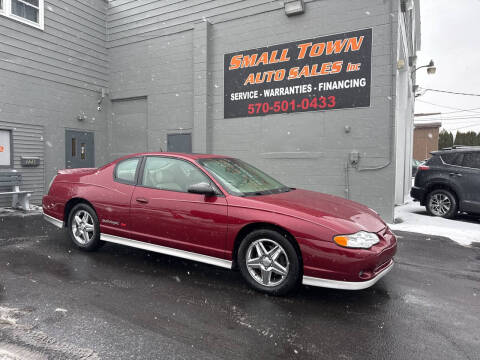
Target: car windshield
{"points": [[240, 178]]}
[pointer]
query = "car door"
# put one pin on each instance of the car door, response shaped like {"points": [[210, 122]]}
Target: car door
{"points": [[165, 213], [112, 200], [451, 171], [468, 179]]}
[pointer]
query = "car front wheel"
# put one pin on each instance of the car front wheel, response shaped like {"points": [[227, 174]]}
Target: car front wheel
{"points": [[442, 203], [84, 228], [268, 262]]}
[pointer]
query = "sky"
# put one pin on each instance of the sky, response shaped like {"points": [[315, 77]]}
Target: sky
{"points": [[450, 37]]}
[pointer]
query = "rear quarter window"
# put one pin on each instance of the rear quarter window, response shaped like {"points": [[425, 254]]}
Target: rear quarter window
{"points": [[434, 160], [453, 158], [471, 160], [126, 171]]}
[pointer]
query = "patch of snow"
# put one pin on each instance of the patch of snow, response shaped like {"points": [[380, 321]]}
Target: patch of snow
{"points": [[9, 316], [413, 218], [417, 300]]}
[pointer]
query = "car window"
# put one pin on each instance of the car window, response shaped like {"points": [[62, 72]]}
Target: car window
{"points": [[240, 178], [453, 158], [126, 170], [472, 160], [171, 174]]}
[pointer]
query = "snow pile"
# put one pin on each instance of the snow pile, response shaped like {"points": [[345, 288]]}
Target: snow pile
{"points": [[9, 316], [413, 217]]}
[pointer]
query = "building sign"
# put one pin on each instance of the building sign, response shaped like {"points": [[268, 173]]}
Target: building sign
{"points": [[30, 161], [323, 73], [5, 146]]}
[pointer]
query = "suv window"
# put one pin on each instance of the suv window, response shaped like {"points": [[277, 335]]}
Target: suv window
{"points": [[472, 160], [454, 158], [126, 170], [171, 174]]}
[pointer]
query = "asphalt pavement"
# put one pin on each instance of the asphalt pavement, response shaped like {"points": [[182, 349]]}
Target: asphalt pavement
{"points": [[57, 302]]}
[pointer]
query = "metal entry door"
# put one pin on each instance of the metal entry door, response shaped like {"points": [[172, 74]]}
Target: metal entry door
{"points": [[79, 149], [181, 143]]}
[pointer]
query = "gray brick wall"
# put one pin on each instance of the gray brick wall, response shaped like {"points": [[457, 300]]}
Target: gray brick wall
{"points": [[308, 150], [166, 58]]}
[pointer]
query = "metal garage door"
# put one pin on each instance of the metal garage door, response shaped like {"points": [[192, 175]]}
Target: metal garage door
{"points": [[128, 127]]}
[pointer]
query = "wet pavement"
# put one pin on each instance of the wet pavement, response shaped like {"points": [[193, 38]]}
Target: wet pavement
{"points": [[57, 302]]}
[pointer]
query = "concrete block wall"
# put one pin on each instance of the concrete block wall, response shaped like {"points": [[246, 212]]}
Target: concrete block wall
{"points": [[161, 64], [308, 150], [160, 71]]}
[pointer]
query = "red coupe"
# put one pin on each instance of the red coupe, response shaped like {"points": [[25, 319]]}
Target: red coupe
{"points": [[222, 211]]}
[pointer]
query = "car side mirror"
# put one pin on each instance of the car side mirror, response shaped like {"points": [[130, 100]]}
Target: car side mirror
{"points": [[202, 188]]}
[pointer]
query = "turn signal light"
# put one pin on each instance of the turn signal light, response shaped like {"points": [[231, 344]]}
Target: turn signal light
{"points": [[423, 167], [341, 240], [360, 240]]}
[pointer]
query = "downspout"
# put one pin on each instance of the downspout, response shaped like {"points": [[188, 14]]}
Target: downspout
{"points": [[347, 182]]}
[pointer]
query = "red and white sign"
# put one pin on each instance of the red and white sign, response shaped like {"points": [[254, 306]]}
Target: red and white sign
{"points": [[5, 148]]}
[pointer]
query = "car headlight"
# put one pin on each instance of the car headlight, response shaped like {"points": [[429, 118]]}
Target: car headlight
{"points": [[360, 240]]}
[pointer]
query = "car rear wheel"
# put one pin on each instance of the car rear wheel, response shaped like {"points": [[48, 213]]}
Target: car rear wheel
{"points": [[442, 203], [84, 228], [268, 262]]}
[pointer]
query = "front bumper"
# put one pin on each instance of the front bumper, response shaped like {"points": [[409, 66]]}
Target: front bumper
{"points": [[348, 285]]}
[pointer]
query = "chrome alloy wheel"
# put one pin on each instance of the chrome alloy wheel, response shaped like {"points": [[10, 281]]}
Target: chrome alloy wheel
{"points": [[440, 204], [83, 227], [267, 262]]}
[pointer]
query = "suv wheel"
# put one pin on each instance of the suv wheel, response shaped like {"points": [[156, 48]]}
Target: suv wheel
{"points": [[269, 262], [442, 203]]}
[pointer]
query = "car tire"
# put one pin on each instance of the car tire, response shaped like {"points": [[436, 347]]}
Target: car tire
{"points": [[84, 228], [273, 263], [442, 203]]}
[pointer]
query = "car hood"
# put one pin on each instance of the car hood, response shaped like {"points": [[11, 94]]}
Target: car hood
{"points": [[338, 214]]}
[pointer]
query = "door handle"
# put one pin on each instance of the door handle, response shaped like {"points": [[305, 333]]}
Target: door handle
{"points": [[142, 200], [455, 174]]}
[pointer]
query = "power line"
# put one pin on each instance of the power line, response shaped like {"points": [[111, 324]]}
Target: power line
{"points": [[465, 110], [464, 127], [449, 118], [450, 92], [451, 107]]}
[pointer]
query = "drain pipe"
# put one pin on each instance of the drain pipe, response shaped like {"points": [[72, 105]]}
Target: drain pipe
{"points": [[347, 182]]}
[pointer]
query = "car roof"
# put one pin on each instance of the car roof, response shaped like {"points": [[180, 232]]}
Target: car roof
{"points": [[456, 149], [194, 156]]}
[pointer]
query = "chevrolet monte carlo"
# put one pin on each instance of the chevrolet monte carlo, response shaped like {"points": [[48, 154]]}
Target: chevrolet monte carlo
{"points": [[222, 211]]}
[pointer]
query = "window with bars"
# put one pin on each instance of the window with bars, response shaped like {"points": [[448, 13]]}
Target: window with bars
{"points": [[29, 12]]}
